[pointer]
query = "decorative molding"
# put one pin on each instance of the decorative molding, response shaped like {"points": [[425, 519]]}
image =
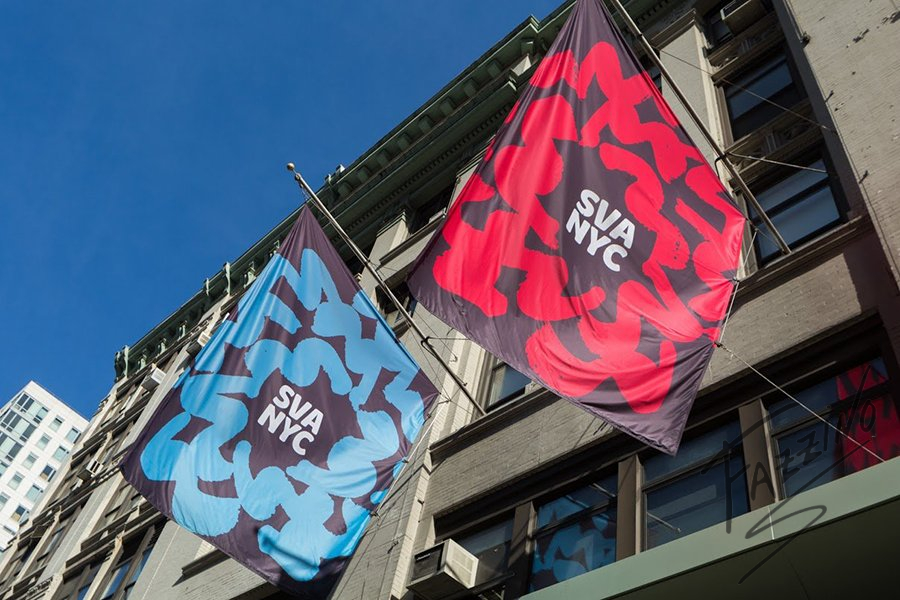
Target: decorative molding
{"points": [[784, 136], [203, 563], [758, 39], [674, 29]]}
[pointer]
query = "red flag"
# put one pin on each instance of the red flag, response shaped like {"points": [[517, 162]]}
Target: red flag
{"points": [[594, 248]]}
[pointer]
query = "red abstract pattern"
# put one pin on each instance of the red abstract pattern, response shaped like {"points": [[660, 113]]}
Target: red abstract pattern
{"points": [[594, 248], [871, 422]]}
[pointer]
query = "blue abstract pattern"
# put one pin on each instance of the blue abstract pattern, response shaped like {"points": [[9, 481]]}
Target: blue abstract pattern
{"points": [[290, 425], [586, 545]]}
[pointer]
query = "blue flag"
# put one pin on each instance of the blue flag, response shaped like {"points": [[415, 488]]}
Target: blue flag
{"points": [[288, 428]]}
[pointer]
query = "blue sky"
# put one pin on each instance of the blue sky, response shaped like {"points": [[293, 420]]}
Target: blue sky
{"points": [[142, 145]]}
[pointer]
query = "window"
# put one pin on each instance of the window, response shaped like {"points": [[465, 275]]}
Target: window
{"points": [[748, 96], [857, 401], [60, 454], [3, 500], [16, 481], [119, 576], [76, 585], [20, 514], [491, 547], [42, 443], [47, 473], [505, 384], [9, 448], [55, 538], [801, 204], [431, 210], [574, 534], [29, 406], [29, 460], [34, 493], [717, 31], [392, 315], [73, 435], [56, 424], [3, 467], [137, 573], [691, 491], [17, 425], [24, 401], [652, 71]]}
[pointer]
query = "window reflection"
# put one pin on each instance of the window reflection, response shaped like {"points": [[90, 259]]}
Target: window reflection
{"points": [[491, 547], [801, 204], [699, 487], [506, 384], [858, 403], [575, 533], [756, 97]]}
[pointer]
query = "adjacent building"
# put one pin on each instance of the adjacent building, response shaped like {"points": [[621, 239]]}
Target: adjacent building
{"points": [[37, 433], [763, 497]]}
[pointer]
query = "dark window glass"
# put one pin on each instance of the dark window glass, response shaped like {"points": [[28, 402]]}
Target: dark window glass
{"points": [[116, 581], [801, 205], [391, 314], [653, 72], [858, 403], [746, 95], [430, 210], [699, 487], [137, 573], [716, 29], [491, 547], [506, 384], [9, 449], [575, 533]]}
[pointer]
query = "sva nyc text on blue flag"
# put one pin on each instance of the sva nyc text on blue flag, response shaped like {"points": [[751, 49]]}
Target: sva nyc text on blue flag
{"points": [[287, 430]]}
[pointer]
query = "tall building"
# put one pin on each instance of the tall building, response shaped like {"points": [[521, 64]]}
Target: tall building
{"points": [[37, 433], [762, 496]]}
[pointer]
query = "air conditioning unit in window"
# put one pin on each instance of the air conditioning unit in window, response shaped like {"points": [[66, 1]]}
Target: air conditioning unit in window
{"points": [[89, 469], [741, 14], [443, 570], [195, 345], [154, 377]]}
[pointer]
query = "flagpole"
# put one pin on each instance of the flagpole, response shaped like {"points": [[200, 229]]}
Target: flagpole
{"points": [[651, 54], [314, 199]]}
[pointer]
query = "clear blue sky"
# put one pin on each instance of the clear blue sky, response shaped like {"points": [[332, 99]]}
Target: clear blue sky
{"points": [[142, 145]]}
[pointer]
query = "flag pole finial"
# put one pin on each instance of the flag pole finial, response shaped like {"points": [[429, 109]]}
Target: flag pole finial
{"points": [[290, 166]]}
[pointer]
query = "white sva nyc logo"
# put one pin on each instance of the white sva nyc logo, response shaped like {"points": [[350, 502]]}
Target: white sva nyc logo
{"points": [[615, 242], [304, 431]]}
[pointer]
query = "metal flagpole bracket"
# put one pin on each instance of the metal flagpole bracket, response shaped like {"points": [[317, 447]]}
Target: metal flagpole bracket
{"points": [[320, 206], [722, 156]]}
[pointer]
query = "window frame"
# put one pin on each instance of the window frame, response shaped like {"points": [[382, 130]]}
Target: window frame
{"points": [[778, 175], [535, 532], [810, 380], [492, 365], [723, 84], [721, 456]]}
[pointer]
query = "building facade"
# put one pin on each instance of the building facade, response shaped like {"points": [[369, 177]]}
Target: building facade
{"points": [[37, 433], [763, 496]]}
